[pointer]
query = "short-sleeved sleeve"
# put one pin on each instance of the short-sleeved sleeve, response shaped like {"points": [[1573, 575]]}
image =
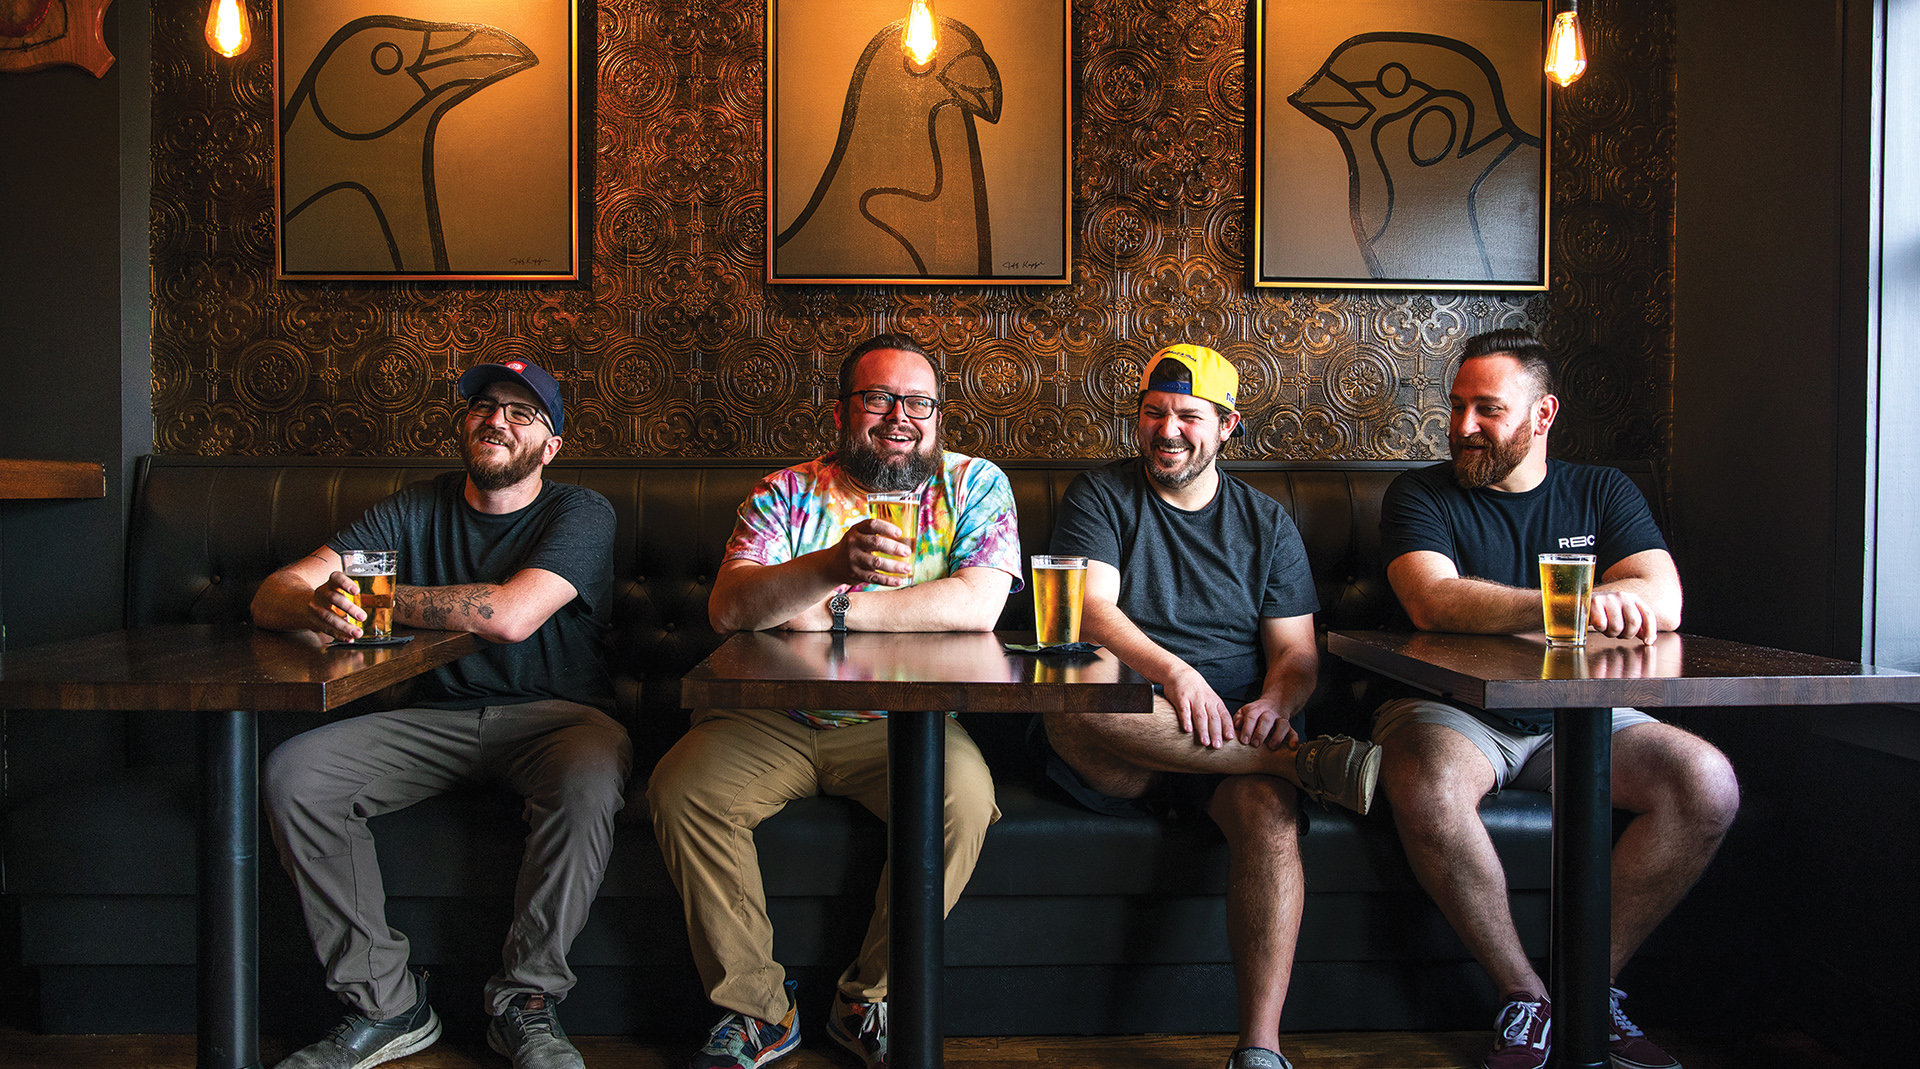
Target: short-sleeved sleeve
{"points": [[986, 529], [1085, 524], [1627, 525], [1412, 518]]}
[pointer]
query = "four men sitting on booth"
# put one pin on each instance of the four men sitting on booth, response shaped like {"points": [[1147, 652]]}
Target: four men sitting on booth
{"points": [[1195, 580]]}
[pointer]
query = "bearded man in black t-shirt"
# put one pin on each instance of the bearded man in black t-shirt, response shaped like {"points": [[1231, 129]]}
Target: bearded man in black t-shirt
{"points": [[527, 565], [1461, 541], [1200, 583]]}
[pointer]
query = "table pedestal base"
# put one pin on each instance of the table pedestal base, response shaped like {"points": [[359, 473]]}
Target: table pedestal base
{"points": [[1582, 885], [228, 988], [917, 771]]}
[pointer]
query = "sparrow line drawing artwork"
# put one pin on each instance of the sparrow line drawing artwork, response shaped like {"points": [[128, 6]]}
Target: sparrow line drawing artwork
{"points": [[905, 191], [1441, 182], [360, 190]]}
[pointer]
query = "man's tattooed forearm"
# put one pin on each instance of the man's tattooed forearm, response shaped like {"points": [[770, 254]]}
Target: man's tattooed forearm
{"points": [[440, 606]]}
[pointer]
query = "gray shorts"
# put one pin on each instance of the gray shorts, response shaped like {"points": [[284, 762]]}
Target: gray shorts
{"points": [[1519, 760]]}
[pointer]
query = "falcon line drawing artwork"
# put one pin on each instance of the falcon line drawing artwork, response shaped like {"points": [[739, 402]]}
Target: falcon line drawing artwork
{"points": [[905, 191], [1442, 183], [427, 139], [366, 112]]}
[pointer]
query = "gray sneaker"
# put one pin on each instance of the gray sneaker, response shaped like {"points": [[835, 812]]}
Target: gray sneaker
{"points": [[528, 1034], [1339, 769], [1257, 1058], [360, 1043]]}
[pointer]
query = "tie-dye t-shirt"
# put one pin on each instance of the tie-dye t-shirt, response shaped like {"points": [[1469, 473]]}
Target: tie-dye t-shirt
{"points": [[966, 521]]}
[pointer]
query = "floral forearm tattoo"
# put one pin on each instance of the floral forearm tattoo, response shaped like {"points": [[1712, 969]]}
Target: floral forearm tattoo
{"points": [[439, 607]]}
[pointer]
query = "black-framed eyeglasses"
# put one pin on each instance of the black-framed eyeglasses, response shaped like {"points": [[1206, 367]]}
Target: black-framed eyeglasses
{"points": [[880, 402], [520, 415]]}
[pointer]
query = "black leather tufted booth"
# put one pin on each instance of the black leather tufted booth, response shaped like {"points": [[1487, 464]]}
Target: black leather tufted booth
{"points": [[1073, 922]]}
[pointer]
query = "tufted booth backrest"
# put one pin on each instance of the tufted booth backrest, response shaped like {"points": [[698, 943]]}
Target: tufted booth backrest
{"points": [[206, 531]]}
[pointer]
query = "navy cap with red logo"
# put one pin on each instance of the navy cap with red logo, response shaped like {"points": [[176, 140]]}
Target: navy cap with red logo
{"points": [[526, 373]]}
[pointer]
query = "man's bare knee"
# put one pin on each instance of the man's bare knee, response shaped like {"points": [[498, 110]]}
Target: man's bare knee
{"points": [[1256, 807]]}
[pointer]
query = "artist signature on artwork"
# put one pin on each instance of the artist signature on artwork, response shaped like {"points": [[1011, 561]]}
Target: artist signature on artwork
{"points": [[530, 261], [1019, 265]]}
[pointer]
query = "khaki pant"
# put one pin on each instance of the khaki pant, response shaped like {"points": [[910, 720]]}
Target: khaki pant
{"points": [[735, 768], [568, 761]]}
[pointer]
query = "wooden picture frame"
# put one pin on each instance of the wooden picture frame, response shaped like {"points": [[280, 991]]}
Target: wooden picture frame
{"points": [[46, 33], [957, 172], [428, 139], [1401, 144]]}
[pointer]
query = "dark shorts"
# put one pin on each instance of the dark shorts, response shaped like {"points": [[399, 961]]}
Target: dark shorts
{"points": [[1176, 795]]}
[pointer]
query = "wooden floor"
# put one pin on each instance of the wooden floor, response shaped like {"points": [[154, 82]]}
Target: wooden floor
{"points": [[1321, 1050]]}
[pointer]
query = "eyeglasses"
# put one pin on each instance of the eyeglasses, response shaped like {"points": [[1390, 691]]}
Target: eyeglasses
{"points": [[880, 402], [517, 414]]}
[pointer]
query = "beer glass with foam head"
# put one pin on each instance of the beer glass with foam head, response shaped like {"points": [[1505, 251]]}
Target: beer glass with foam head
{"points": [[902, 509], [1566, 595], [1059, 592], [373, 570]]}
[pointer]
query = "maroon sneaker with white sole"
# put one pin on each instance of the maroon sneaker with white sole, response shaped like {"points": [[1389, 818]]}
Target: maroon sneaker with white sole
{"points": [[1525, 1034], [1628, 1047]]}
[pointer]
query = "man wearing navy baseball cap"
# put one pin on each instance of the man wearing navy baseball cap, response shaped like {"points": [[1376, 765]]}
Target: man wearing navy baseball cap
{"points": [[526, 564]]}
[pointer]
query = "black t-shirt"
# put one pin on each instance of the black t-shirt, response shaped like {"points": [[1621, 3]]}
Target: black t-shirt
{"points": [[1498, 536], [1198, 583], [443, 541]]}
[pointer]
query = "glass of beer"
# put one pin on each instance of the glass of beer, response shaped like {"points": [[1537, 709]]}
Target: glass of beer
{"points": [[902, 509], [373, 570], [1566, 594], [1059, 592]]}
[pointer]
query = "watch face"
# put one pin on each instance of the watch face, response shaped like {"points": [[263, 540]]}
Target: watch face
{"points": [[840, 603]]}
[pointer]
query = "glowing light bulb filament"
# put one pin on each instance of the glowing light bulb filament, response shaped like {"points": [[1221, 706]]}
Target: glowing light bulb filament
{"points": [[1566, 52], [227, 29], [920, 40]]}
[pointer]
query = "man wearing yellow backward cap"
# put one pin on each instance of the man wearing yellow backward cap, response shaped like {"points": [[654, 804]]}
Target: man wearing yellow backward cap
{"points": [[1200, 583]]}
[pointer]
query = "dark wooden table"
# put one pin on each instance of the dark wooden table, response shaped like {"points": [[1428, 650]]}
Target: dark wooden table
{"points": [[1582, 686], [917, 677], [226, 675]]}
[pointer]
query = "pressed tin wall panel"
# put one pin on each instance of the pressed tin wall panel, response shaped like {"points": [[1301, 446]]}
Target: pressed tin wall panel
{"points": [[676, 347]]}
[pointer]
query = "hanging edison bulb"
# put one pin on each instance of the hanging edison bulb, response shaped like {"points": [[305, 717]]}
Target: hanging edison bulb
{"points": [[227, 30], [920, 40], [1566, 52]]}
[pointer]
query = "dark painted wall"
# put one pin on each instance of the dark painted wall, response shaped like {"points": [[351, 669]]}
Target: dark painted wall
{"points": [[1804, 921], [60, 343], [73, 347]]}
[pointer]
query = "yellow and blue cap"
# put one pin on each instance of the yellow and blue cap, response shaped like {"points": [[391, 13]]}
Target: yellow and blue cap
{"points": [[1213, 377]]}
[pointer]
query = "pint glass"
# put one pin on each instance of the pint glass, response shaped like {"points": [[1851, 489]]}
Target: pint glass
{"points": [[1059, 591], [373, 570], [1566, 594], [902, 509]]}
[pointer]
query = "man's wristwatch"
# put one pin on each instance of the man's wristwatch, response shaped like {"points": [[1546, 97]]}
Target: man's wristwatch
{"points": [[838, 606]]}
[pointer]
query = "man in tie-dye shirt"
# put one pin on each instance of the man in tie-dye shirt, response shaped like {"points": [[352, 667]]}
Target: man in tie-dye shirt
{"points": [[805, 556]]}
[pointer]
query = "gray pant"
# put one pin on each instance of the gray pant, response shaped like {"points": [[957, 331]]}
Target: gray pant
{"points": [[568, 761]]}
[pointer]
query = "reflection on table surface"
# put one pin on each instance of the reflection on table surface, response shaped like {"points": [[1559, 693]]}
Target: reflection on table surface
{"points": [[1522, 671], [961, 670], [191, 667]]}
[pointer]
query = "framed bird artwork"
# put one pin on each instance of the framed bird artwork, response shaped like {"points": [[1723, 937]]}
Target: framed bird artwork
{"points": [[1401, 144], [428, 139], [918, 141]]}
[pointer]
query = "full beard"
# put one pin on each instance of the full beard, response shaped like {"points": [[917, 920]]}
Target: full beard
{"points": [[1493, 462], [489, 475], [879, 471], [1199, 457]]}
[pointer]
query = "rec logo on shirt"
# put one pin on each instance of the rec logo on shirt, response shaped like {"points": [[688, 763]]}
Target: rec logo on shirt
{"points": [[1578, 542]]}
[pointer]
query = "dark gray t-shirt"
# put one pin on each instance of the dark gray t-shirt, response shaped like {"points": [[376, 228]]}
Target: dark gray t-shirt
{"points": [[1498, 536], [1198, 583], [443, 541]]}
